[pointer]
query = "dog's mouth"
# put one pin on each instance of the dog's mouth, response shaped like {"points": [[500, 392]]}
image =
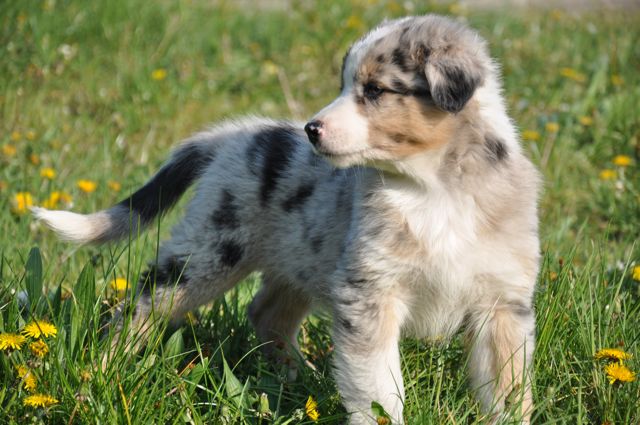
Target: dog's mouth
{"points": [[341, 159]]}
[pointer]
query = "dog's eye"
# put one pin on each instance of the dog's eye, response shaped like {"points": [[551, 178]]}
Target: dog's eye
{"points": [[372, 91]]}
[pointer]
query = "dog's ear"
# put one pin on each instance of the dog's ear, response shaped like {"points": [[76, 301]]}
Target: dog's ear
{"points": [[453, 76]]}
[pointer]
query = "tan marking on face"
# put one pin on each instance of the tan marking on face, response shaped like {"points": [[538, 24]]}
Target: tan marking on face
{"points": [[401, 125], [409, 127]]}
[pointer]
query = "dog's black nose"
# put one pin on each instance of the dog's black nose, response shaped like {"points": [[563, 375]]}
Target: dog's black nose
{"points": [[314, 131]]}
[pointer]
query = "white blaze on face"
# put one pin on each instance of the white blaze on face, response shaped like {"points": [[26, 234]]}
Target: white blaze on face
{"points": [[345, 128]]}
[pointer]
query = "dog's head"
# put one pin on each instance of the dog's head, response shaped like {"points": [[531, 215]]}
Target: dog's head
{"points": [[404, 86]]}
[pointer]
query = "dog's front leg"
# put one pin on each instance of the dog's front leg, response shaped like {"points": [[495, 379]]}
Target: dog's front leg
{"points": [[367, 360], [501, 340]]}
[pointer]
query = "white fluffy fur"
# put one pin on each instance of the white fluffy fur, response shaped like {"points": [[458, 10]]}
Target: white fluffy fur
{"points": [[69, 226]]}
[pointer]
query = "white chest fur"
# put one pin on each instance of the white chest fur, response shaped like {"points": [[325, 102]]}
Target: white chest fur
{"points": [[436, 282]]}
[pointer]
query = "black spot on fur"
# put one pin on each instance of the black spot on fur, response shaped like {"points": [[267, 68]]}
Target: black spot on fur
{"points": [[226, 215], [345, 324], [381, 58], [230, 253], [356, 282], [169, 273], [495, 148], [297, 200], [316, 243], [424, 52], [173, 179], [275, 145], [455, 92], [400, 59]]}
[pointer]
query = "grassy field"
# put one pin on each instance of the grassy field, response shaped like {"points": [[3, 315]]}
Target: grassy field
{"points": [[100, 91]]}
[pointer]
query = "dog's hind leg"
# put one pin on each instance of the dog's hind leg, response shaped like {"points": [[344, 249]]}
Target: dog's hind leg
{"points": [[188, 274], [276, 313], [501, 340]]}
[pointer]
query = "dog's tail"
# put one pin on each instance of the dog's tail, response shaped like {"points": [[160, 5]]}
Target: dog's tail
{"points": [[157, 196]]}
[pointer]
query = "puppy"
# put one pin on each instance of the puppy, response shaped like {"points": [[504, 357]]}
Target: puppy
{"points": [[413, 210]]}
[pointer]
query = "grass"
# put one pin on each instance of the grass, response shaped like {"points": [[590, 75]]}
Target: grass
{"points": [[101, 90]]}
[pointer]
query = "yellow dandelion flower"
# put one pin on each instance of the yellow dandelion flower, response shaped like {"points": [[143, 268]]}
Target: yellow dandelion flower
{"points": [[311, 407], [552, 127], [39, 328], [15, 136], [22, 201], [556, 14], [617, 372], [9, 150], [622, 160], [607, 174], [63, 197], [55, 198], [48, 173], [354, 23], [612, 354], [530, 135], [29, 381], [636, 273], [39, 348], [9, 341], [270, 68], [456, 9], [394, 7], [31, 135], [617, 80], [119, 285], [87, 186], [114, 185], [585, 120], [574, 75], [39, 400], [381, 420], [34, 159], [159, 74]]}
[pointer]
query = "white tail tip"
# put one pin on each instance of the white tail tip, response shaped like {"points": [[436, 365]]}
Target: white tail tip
{"points": [[68, 226]]}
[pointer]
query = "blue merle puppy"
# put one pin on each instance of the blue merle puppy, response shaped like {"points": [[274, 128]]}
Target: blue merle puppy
{"points": [[408, 207]]}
